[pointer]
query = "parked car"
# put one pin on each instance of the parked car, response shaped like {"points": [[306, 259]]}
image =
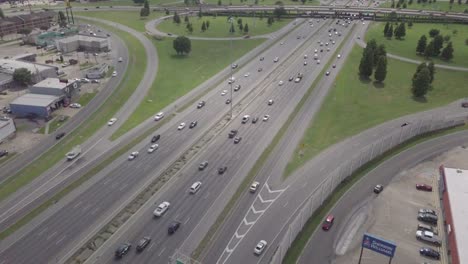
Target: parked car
{"points": [[429, 237], [428, 218], [427, 211], [328, 223], [3, 153], [424, 227], [75, 105], [143, 243], [122, 250], [423, 187], [429, 252]]}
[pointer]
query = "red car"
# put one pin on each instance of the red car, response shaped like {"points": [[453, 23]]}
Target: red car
{"points": [[424, 187], [328, 222]]}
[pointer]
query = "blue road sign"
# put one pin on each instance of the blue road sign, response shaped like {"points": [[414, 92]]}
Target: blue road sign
{"points": [[379, 245]]}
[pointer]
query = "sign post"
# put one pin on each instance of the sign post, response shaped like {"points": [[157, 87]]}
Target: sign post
{"points": [[378, 245]]}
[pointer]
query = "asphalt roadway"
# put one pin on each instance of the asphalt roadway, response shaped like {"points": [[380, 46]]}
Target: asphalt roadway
{"points": [[68, 225]]}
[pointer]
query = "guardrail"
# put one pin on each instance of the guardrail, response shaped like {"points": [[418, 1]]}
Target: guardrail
{"points": [[341, 172]]}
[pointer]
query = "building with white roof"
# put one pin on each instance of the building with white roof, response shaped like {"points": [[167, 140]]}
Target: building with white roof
{"points": [[454, 187], [7, 128], [83, 42], [38, 71]]}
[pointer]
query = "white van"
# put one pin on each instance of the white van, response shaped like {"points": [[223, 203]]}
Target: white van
{"points": [[195, 187]]}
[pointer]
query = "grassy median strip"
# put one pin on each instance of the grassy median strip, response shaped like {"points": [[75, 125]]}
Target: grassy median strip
{"points": [[137, 59], [295, 251]]}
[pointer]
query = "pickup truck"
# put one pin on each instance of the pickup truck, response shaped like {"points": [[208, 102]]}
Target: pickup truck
{"points": [[75, 152], [428, 237]]}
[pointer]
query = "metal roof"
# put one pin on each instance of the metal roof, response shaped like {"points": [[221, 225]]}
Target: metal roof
{"points": [[52, 83], [35, 100], [9, 66]]}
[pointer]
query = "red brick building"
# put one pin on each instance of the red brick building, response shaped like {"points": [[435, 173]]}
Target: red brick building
{"points": [[11, 24]]}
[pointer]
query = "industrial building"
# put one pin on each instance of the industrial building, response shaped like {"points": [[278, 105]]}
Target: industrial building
{"points": [[35, 105], [97, 72], [56, 87], [12, 24], [5, 81], [7, 128], [454, 189], [83, 43], [38, 71]]}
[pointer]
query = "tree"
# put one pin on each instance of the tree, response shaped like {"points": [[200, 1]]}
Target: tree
{"points": [[459, 2], [405, 5], [381, 69], [438, 44], [145, 10], [429, 51], [432, 71], [451, 2], [446, 38], [203, 27], [400, 31], [2, 15], [421, 44], [390, 32], [241, 27], [380, 51], [176, 18], [371, 48], [421, 83], [232, 30], [365, 66], [22, 75], [200, 15], [138, 1], [62, 20], [270, 21], [433, 32], [190, 28], [207, 24], [24, 31], [279, 12], [447, 52], [239, 21], [410, 2], [246, 28], [146, 5], [385, 30], [219, 2], [410, 24], [182, 45], [186, 19]]}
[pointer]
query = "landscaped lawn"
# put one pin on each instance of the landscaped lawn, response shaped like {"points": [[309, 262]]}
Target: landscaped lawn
{"points": [[129, 18], [437, 6], [262, 2], [407, 47], [177, 75], [127, 3], [353, 106], [219, 26]]}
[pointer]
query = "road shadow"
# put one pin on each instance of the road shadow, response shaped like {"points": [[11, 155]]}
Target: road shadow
{"points": [[364, 79], [420, 99], [378, 85]]}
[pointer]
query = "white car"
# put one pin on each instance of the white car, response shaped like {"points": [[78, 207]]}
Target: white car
{"points": [[161, 209], [231, 80], [75, 105], [120, 59], [181, 126], [315, 51], [266, 117], [305, 56], [112, 121], [280, 83], [224, 92], [305, 62], [270, 102], [247, 74], [276, 59], [84, 80], [281, 43], [260, 247], [318, 61], [339, 56], [158, 116], [254, 186], [133, 155], [114, 74], [152, 148]]}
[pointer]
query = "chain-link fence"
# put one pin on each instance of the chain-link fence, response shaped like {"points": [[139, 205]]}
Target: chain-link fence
{"points": [[344, 170]]}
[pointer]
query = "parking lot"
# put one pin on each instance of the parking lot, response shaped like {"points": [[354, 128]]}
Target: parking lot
{"points": [[392, 215]]}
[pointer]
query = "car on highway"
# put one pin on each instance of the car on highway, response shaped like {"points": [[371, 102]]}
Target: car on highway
{"points": [[203, 165], [237, 140], [260, 69], [339, 56], [280, 83], [318, 61], [133, 155], [315, 51], [247, 74], [254, 120], [224, 92], [181, 126], [195, 187], [155, 138], [291, 78], [423, 187], [254, 186], [328, 223], [270, 102], [59, 135], [114, 73], [305, 56], [464, 104], [193, 124], [120, 59], [122, 250], [201, 104], [143, 243], [234, 65], [228, 101], [378, 188], [266, 117], [112, 121], [305, 63], [232, 133], [276, 59], [327, 73], [237, 88], [427, 211], [260, 247], [173, 227], [222, 170], [245, 119], [315, 56], [158, 116], [334, 66], [281, 43], [231, 80], [262, 58], [152, 148], [161, 209], [429, 252]]}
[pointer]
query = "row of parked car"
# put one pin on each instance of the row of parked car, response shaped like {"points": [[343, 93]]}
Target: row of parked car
{"points": [[427, 231]]}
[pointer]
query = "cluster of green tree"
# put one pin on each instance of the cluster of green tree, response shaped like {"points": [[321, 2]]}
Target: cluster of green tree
{"points": [[22, 76], [145, 10], [182, 45], [242, 27], [458, 1], [403, 3], [138, 2], [422, 79], [399, 31], [279, 12], [374, 57], [191, 2], [434, 48]]}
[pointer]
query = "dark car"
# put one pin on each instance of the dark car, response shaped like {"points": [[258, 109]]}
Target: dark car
{"points": [[334, 66], [262, 58], [155, 138], [328, 223], [201, 104], [3, 153], [143, 243], [203, 165], [237, 140], [122, 250], [232, 133], [464, 104], [254, 120], [404, 124], [378, 188], [173, 227], [193, 124], [429, 252], [423, 187], [222, 170], [60, 135], [260, 69], [237, 88], [228, 101], [428, 218]]}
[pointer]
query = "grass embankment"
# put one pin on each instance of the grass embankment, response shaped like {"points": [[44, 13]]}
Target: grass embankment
{"points": [[263, 2], [130, 19], [295, 251], [436, 6], [126, 3], [86, 98], [137, 59], [354, 105], [56, 123], [219, 26], [407, 46]]}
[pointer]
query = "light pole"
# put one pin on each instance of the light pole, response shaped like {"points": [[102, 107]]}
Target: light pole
{"points": [[232, 78]]}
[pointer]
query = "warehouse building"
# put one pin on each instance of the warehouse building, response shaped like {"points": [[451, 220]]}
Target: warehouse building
{"points": [[97, 72], [454, 189], [12, 24], [56, 87], [83, 43], [7, 128], [5, 81], [35, 105], [38, 71]]}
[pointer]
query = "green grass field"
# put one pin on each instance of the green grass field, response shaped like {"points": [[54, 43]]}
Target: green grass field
{"points": [[206, 59], [128, 3], [137, 59], [219, 26], [353, 105], [129, 18], [437, 6], [262, 2], [407, 47]]}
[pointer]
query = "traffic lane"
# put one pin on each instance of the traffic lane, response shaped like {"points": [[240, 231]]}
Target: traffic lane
{"points": [[321, 245]]}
